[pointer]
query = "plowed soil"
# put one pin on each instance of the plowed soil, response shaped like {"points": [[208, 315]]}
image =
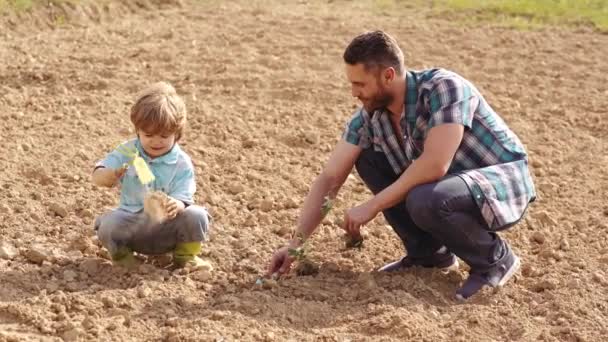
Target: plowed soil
{"points": [[268, 99]]}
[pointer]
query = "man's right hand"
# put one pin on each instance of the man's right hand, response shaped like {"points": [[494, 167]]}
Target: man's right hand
{"points": [[280, 263]]}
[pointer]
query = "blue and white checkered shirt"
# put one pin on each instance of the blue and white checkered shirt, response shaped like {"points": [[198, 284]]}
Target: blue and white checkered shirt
{"points": [[173, 172], [491, 159]]}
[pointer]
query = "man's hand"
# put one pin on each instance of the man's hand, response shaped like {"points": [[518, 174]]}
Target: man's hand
{"points": [[355, 217], [280, 263], [174, 207]]}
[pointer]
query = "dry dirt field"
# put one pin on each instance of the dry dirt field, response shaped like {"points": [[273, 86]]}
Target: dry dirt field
{"points": [[268, 99]]}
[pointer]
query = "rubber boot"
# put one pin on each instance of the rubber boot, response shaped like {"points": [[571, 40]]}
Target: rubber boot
{"points": [[124, 257], [185, 255]]}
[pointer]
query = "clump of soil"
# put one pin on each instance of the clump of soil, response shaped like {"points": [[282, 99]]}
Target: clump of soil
{"points": [[155, 205]]}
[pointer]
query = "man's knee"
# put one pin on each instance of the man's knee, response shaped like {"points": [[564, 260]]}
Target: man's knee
{"points": [[374, 169], [424, 205], [365, 161], [365, 165]]}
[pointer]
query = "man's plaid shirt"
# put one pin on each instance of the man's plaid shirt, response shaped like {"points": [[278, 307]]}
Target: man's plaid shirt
{"points": [[491, 159]]}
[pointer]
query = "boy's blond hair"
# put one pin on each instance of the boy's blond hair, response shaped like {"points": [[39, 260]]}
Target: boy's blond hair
{"points": [[159, 110]]}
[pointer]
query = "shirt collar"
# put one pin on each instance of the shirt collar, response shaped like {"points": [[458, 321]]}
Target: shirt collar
{"points": [[167, 158], [410, 98]]}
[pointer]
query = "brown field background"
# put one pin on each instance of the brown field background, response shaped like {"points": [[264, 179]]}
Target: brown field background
{"points": [[268, 98]]}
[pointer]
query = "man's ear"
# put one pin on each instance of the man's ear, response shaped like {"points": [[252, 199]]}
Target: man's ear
{"points": [[389, 75]]}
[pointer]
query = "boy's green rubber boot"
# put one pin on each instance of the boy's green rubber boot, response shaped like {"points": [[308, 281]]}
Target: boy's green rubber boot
{"points": [[186, 255], [124, 257]]}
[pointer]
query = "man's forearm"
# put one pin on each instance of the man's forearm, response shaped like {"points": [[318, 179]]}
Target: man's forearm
{"points": [[439, 149], [312, 213], [421, 171]]}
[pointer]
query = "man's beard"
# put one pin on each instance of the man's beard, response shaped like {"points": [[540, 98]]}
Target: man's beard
{"points": [[380, 100]]}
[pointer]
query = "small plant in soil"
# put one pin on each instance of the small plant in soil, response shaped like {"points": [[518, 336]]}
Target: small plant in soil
{"points": [[350, 241], [304, 265], [353, 241]]}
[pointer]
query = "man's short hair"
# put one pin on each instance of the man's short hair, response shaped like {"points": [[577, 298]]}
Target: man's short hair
{"points": [[375, 49]]}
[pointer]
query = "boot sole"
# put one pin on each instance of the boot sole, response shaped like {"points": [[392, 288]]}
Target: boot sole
{"points": [[392, 267]]}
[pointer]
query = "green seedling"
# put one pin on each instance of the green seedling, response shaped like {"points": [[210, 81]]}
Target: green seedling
{"points": [[354, 241], [141, 167], [305, 266], [299, 253]]}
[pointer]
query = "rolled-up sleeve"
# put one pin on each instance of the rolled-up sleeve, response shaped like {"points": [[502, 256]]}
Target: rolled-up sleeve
{"points": [[452, 101], [114, 159], [356, 131]]}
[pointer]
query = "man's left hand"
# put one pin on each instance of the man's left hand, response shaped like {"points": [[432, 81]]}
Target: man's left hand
{"points": [[355, 217], [174, 207]]}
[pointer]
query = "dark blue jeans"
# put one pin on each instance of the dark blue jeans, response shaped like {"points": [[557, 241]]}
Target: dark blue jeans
{"points": [[433, 215]]}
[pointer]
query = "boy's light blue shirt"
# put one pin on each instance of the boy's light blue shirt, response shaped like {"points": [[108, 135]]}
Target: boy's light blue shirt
{"points": [[173, 172]]}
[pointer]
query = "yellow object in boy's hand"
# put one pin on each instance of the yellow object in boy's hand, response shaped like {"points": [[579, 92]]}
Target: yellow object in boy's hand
{"points": [[141, 167], [143, 171]]}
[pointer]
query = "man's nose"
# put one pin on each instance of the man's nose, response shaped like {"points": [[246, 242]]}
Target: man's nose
{"points": [[355, 92]]}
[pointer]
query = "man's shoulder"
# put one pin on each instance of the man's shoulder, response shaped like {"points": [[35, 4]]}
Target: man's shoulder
{"points": [[429, 78]]}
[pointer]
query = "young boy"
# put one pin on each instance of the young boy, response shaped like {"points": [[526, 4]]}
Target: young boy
{"points": [[159, 117]]}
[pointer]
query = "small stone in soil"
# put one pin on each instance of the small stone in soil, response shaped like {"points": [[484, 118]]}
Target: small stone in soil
{"points": [[538, 237], [7, 251]]}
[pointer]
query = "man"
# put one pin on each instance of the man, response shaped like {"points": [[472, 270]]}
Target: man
{"points": [[444, 168]]}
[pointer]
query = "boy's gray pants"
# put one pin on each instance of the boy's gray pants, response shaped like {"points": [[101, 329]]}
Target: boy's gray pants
{"points": [[120, 228]]}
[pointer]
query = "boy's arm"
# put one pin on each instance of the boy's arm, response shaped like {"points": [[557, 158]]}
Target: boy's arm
{"points": [[109, 170], [103, 176]]}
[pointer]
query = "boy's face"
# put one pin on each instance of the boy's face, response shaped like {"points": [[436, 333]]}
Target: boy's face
{"points": [[157, 144]]}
